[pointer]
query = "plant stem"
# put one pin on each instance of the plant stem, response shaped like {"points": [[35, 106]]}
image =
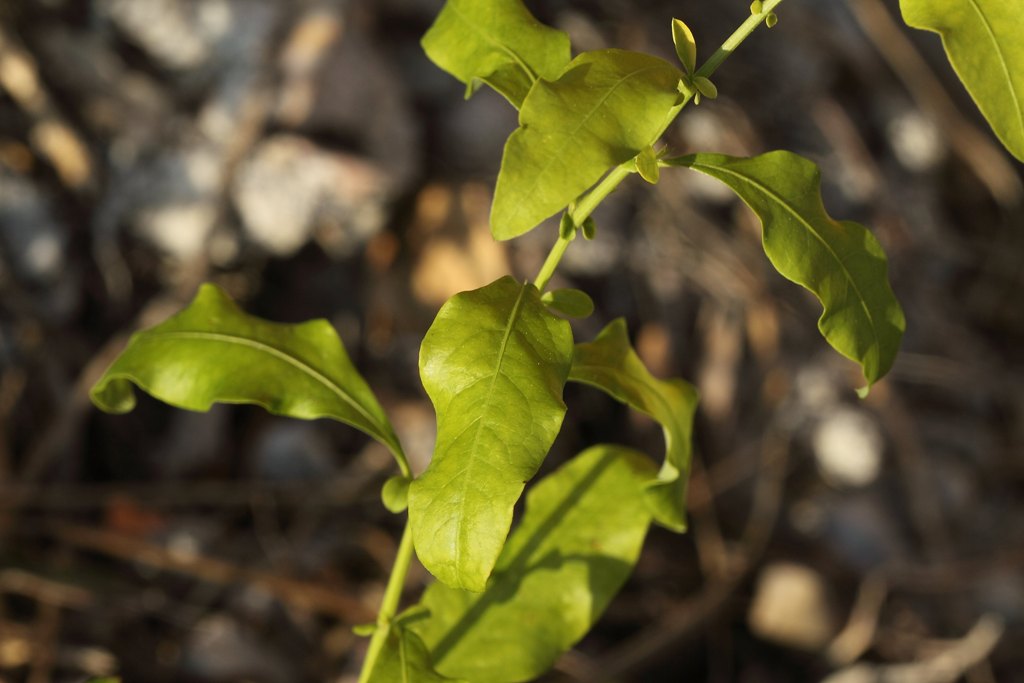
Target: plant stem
{"points": [[551, 262], [737, 37], [389, 605], [586, 204]]}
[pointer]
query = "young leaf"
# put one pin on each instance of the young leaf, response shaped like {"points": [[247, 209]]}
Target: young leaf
{"points": [[569, 302], [840, 262], [984, 43], [404, 659], [580, 536], [705, 87], [686, 46], [610, 364], [604, 108], [589, 228], [647, 165], [395, 494], [494, 364], [498, 42], [212, 352]]}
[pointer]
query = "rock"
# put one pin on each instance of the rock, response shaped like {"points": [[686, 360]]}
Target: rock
{"points": [[34, 247], [188, 34], [178, 35], [916, 140], [178, 201], [848, 447], [289, 189], [354, 94], [292, 451], [791, 607], [859, 527], [221, 649], [34, 241]]}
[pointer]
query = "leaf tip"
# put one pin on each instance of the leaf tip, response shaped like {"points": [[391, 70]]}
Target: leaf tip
{"points": [[686, 45]]}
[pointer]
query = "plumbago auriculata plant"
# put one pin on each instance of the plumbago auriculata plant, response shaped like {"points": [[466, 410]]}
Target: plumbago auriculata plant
{"points": [[496, 359]]}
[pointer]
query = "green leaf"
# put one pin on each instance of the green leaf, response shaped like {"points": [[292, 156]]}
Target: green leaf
{"points": [[395, 494], [839, 261], [604, 108], [498, 42], [212, 352], [647, 165], [589, 228], [579, 539], [365, 630], [705, 87], [610, 364], [984, 42], [404, 659], [686, 46], [494, 364], [569, 302]]}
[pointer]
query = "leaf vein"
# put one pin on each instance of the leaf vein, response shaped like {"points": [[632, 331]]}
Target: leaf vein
{"points": [[557, 153], [810, 228], [1017, 108], [298, 364]]}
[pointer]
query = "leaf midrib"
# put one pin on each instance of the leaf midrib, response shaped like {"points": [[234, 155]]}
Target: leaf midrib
{"points": [[332, 386], [478, 424], [557, 154], [500, 46], [1018, 110], [800, 219]]}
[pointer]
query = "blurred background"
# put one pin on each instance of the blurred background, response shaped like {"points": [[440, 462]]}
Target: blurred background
{"points": [[307, 157]]}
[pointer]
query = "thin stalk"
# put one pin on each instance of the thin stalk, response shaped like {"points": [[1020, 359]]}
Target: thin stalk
{"points": [[389, 605], [551, 262], [737, 37], [586, 204]]}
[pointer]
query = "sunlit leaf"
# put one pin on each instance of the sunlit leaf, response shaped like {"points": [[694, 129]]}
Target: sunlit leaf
{"points": [[573, 303], [686, 46], [705, 87], [575, 129], [984, 40], [497, 42], [578, 541], [395, 493], [212, 352], [839, 261], [610, 364], [494, 364], [647, 165]]}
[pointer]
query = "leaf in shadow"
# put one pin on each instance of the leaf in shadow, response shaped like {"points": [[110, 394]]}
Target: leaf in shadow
{"points": [[578, 541]]}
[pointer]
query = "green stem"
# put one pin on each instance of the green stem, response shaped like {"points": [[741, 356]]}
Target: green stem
{"points": [[389, 605], [551, 262], [737, 37], [590, 201], [586, 204]]}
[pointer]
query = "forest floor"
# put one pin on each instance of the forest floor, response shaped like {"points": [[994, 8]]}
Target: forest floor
{"points": [[308, 158]]}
